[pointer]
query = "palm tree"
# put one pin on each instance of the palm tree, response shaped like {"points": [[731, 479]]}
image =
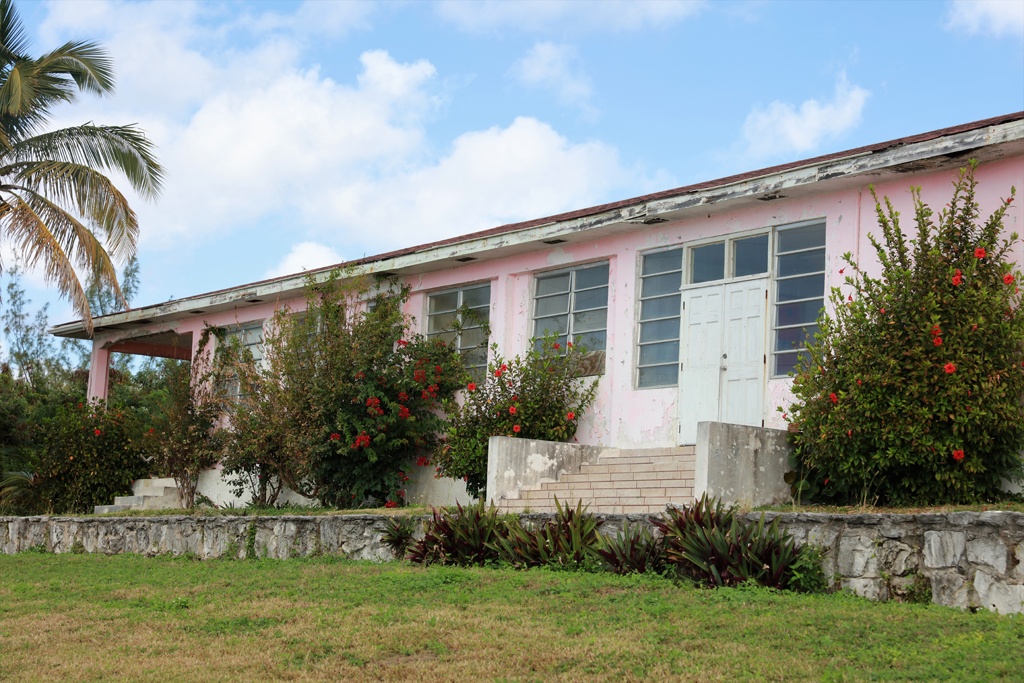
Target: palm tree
{"points": [[57, 208]]}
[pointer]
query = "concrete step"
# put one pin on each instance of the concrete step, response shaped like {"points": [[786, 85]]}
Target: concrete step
{"points": [[156, 491], [100, 509], [130, 501], [154, 482]]}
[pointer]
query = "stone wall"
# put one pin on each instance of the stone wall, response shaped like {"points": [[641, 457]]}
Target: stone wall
{"points": [[960, 559], [964, 559]]}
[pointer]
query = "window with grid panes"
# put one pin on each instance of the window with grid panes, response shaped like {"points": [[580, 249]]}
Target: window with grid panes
{"points": [[661, 275], [573, 305], [799, 291], [468, 308], [250, 337]]}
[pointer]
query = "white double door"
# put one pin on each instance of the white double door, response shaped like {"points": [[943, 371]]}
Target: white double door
{"points": [[723, 359]]}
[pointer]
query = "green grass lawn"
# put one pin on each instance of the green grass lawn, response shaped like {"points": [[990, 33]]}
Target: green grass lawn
{"points": [[86, 617]]}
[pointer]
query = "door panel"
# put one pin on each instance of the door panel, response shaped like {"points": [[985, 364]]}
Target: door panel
{"points": [[722, 373]]}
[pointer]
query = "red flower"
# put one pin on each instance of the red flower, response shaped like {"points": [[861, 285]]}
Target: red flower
{"points": [[401, 492], [841, 270], [423, 461], [360, 375], [335, 437], [557, 346], [419, 376], [504, 367], [1007, 279], [883, 311], [497, 373], [403, 412], [437, 369], [949, 368], [958, 278], [402, 342], [391, 504], [832, 397], [936, 330], [425, 395], [471, 386], [958, 455], [512, 410], [859, 383], [96, 432], [849, 297], [849, 433], [403, 397], [516, 428], [570, 416], [402, 476], [568, 344], [151, 430], [937, 341], [979, 252]]}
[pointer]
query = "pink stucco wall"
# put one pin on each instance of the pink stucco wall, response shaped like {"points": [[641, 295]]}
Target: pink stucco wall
{"points": [[625, 416]]}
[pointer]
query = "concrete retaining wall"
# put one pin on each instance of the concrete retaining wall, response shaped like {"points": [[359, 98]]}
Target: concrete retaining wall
{"points": [[963, 559], [514, 465]]}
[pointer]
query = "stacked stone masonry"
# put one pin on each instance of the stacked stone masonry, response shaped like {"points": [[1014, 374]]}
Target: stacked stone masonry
{"points": [[964, 559], [641, 481]]}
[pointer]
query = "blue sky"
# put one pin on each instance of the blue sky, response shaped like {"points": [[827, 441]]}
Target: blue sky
{"points": [[300, 134]]}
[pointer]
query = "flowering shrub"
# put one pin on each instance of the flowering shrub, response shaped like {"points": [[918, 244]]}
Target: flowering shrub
{"points": [[912, 391], [539, 396], [87, 455], [345, 401]]}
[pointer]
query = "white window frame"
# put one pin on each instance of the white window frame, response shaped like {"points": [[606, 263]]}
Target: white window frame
{"points": [[640, 299], [476, 368], [571, 334], [776, 279], [231, 384]]}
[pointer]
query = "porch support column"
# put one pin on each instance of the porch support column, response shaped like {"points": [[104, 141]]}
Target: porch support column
{"points": [[99, 373]]}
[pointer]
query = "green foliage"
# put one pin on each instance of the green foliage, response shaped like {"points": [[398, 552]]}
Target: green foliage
{"points": [[569, 541], [911, 392], [539, 396], [634, 550], [345, 399], [398, 535], [807, 572], [714, 547], [87, 456], [463, 536]]}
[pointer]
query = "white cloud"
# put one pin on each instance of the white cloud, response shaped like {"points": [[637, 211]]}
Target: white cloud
{"points": [[255, 141], [611, 15], [781, 128], [305, 256], [553, 67], [995, 17], [489, 178]]}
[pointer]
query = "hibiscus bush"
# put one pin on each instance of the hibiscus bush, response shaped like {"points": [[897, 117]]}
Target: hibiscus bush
{"points": [[912, 391], [345, 400], [536, 396], [87, 455]]}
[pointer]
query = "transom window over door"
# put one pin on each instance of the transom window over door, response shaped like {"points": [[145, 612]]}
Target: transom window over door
{"points": [[799, 291], [469, 309], [573, 305]]}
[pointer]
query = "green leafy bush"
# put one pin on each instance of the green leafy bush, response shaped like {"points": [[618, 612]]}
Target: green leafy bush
{"points": [[88, 455], [634, 550], [345, 400], [911, 392], [569, 541], [463, 536], [398, 535], [707, 542], [539, 396]]}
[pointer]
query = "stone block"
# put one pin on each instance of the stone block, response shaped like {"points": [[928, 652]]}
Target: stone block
{"points": [[897, 558], [997, 595], [951, 589], [943, 548], [872, 589], [858, 556], [988, 550]]}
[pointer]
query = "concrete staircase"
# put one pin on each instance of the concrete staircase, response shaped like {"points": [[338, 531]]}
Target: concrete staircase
{"points": [[642, 480], [149, 494]]}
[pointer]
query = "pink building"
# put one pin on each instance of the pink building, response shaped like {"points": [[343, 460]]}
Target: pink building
{"points": [[700, 296]]}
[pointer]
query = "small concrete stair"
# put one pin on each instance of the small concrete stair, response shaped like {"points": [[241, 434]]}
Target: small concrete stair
{"points": [[149, 494], [642, 480]]}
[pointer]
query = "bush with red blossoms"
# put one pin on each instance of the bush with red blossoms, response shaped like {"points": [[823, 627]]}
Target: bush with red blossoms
{"points": [[539, 396], [911, 392], [346, 399]]}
